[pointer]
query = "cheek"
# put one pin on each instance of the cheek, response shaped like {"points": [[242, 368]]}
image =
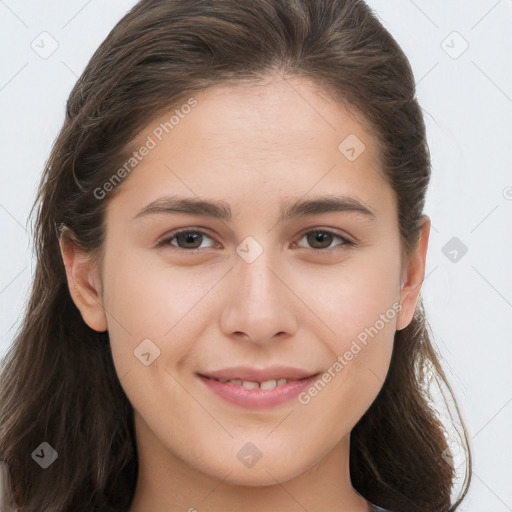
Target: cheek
{"points": [[354, 295], [360, 357], [146, 300], [149, 296], [359, 305]]}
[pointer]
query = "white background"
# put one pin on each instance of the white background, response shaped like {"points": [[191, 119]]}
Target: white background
{"points": [[467, 99]]}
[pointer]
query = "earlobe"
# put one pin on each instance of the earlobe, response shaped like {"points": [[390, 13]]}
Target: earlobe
{"points": [[83, 282], [413, 276]]}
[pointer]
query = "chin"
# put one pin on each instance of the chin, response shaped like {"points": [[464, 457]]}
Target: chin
{"points": [[261, 474]]}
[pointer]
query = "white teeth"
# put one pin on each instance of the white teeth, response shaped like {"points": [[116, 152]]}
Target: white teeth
{"points": [[267, 384], [250, 385]]}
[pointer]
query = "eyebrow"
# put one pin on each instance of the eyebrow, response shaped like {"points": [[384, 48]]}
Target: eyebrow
{"points": [[290, 209]]}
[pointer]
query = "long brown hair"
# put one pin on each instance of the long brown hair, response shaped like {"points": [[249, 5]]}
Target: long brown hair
{"points": [[58, 382]]}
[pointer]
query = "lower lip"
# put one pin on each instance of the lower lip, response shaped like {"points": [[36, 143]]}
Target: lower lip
{"points": [[255, 398]]}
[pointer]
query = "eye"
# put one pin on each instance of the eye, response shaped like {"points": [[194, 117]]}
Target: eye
{"points": [[320, 240], [186, 239], [190, 240]]}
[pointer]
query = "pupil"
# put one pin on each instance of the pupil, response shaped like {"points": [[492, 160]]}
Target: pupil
{"points": [[320, 237], [190, 237]]}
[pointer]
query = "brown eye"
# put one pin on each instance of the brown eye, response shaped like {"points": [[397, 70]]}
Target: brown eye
{"points": [[321, 240], [186, 240], [189, 240]]}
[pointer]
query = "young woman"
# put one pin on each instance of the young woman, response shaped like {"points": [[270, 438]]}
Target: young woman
{"points": [[231, 243]]}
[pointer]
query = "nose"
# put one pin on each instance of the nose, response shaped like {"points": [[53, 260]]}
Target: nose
{"points": [[260, 304]]}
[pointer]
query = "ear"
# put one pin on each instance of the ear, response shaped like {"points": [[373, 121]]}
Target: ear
{"points": [[83, 281], [412, 277]]}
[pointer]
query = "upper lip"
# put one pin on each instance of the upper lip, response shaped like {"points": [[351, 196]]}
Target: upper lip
{"points": [[248, 373]]}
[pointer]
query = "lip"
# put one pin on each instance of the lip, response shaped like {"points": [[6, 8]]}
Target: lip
{"points": [[258, 398], [260, 374]]}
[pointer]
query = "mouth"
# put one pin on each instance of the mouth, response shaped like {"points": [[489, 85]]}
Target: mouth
{"points": [[252, 388], [251, 384]]}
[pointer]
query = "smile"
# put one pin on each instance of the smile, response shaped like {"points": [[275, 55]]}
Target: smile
{"points": [[247, 384], [254, 394]]}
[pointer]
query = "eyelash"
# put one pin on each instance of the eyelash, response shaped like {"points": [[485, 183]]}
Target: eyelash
{"points": [[166, 242]]}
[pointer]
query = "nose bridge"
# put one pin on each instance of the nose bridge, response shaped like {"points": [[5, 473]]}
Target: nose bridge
{"points": [[258, 280], [259, 305]]}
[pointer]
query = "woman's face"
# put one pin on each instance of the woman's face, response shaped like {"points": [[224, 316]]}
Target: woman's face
{"points": [[293, 271]]}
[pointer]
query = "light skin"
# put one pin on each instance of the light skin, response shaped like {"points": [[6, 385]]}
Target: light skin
{"points": [[254, 147]]}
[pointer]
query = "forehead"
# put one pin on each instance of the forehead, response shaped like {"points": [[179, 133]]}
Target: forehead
{"points": [[272, 116], [252, 141]]}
